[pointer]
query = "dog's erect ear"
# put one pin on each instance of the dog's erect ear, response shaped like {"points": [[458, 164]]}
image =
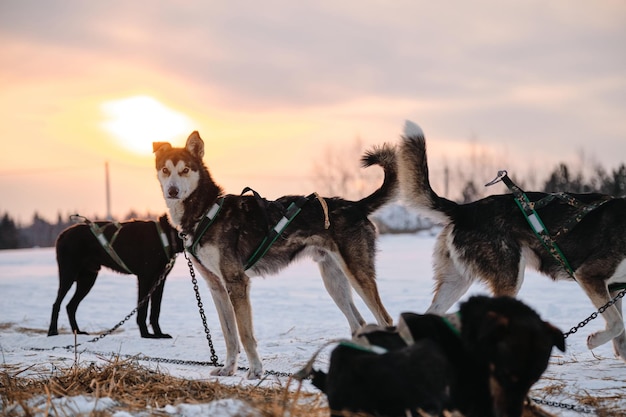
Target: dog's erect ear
{"points": [[195, 145], [557, 336], [160, 146]]}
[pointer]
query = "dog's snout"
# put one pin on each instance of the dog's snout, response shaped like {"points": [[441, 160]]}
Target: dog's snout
{"points": [[172, 192]]}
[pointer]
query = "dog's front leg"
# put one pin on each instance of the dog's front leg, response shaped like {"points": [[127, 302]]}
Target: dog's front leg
{"points": [[239, 291], [228, 322], [599, 296]]}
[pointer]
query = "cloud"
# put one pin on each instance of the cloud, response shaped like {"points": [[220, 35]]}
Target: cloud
{"points": [[538, 80]]}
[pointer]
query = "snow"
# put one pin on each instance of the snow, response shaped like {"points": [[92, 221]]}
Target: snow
{"points": [[293, 317]]}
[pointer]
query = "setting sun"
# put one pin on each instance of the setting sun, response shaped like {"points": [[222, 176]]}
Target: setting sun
{"points": [[136, 122]]}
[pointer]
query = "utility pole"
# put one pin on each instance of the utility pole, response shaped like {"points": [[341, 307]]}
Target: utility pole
{"points": [[108, 190]]}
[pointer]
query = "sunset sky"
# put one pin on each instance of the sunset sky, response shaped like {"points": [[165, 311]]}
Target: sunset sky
{"points": [[273, 85]]}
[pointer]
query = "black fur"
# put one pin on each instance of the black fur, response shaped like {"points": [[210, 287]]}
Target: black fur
{"points": [[80, 256], [485, 370]]}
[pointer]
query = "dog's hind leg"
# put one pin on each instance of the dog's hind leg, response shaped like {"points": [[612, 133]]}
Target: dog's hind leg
{"points": [[66, 280], [337, 285], [84, 283], [450, 284]]}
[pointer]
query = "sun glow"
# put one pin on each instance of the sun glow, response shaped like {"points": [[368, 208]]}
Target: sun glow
{"points": [[136, 122]]}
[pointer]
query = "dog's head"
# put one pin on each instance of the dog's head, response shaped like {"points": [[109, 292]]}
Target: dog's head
{"points": [[511, 343], [179, 169]]}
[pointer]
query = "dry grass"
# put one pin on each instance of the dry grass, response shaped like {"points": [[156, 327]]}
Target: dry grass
{"points": [[136, 388]]}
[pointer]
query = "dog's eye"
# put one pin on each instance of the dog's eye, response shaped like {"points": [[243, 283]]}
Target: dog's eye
{"points": [[185, 170], [165, 171]]}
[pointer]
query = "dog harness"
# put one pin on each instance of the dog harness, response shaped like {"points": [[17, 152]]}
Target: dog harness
{"points": [[528, 208], [272, 234], [165, 242], [203, 226], [288, 215], [107, 244]]}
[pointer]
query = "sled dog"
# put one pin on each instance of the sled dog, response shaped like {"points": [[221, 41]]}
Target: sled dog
{"points": [[480, 361], [490, 240], [335, 232], [139, 247]]}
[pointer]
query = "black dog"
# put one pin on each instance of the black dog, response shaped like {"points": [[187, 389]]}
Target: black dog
{"points": [[484, 369], [140, 248]]}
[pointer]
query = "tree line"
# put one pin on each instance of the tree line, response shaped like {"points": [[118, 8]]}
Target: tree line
{"points": [[42, 233]]}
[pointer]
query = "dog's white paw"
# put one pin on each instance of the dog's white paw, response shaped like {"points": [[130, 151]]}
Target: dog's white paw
{"points": [[255, 372], [595, 339], [223, 371]]}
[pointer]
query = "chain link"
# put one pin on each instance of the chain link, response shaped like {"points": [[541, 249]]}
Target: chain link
{"points": [[207, 332], [595, 314], [572, 407]]}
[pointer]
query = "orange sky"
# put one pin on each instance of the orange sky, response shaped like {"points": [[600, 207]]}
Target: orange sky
{"points": [[271, 88]]}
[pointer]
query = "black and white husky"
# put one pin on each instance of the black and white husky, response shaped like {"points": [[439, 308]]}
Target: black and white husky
{"points": [[491, 241], [336, 233]]}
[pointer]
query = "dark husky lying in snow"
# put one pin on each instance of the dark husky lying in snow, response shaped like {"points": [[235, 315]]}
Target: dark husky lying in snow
{"points": [[490, 240], [142, 250], [427, 364], [225, 245]]}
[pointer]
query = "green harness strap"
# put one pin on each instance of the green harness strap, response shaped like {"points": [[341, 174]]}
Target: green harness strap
{"points": [[106, 244], [536, 224], [203, 226], [165, 243], [292, 211]]}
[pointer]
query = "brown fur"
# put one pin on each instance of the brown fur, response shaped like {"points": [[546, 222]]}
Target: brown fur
{"points": [[490, 240], [344, 251]]}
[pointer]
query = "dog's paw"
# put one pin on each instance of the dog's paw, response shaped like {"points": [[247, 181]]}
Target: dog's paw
{"points": [[223, 371], [255, 373], [162, 336], [596, 339]]}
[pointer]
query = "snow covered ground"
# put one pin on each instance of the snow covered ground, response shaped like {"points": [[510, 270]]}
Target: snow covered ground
{"points": [[293, 317]]}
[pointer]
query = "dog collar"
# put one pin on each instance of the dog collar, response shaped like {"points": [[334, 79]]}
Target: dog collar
{"points": [[453, 321], [204, 224]]}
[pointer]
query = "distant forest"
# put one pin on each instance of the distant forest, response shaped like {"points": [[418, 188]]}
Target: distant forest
{"points": [[42, 233]]}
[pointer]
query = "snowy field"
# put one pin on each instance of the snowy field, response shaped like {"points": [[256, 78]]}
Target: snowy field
{"points": [[293, 317]]}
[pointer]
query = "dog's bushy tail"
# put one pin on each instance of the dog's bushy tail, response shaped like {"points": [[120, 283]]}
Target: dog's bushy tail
{"points": [[413, 177], [384, 156]]}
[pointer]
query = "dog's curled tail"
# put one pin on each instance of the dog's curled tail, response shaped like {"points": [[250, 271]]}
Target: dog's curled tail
{"points": [[384, 156], [413, 177]]}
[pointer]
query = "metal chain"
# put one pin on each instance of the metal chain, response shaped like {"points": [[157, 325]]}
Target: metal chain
{"points": [[572, 407], [194, 281], [214, 358], [594, 315], [141, 302]]}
